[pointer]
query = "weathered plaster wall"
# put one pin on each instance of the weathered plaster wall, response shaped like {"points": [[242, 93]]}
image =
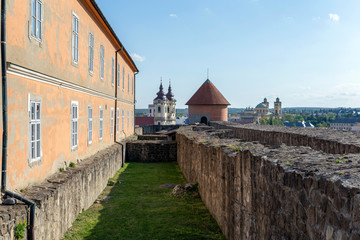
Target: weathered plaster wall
{"points": [[52, 55], [257, 191], [216, 112], [62, 197], [151, 151]]}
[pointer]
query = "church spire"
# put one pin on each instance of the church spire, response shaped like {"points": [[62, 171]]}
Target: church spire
{"points": [[160, 94], [170, 95]]}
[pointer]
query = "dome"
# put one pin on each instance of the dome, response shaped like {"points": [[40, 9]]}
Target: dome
{"points": [[261, 105]]}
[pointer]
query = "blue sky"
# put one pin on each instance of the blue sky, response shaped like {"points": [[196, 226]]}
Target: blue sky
{"points": [[305, 52]]}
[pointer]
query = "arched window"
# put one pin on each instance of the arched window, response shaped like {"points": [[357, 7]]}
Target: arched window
{"points": [[159, 109]]}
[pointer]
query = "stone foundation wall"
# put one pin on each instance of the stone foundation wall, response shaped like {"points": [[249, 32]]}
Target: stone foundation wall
{"points": [[151, 151], [256, 191], [64, 196]]}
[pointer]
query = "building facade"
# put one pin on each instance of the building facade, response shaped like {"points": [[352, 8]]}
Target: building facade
{"points": [[71, 86], [207, 104], [163, 107], [348, 124]]}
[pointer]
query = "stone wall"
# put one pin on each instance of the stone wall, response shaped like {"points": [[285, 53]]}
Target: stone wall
{"points": [[257, 191], [64, 196], [327, 140], [151, 151], [150, 129], [153, 137]]}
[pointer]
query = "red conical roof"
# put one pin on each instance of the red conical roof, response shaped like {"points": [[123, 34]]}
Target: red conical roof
{"points": [[208, 94]]}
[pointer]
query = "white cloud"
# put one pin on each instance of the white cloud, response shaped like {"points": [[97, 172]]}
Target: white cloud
{"points": [[138, 58], [334, 17], [173, 15]]}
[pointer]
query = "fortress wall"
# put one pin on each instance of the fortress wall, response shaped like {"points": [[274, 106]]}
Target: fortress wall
{"points": [[257, 191]]}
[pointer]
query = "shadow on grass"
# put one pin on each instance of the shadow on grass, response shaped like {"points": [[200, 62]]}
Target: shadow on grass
{"points": [[141, 209]]}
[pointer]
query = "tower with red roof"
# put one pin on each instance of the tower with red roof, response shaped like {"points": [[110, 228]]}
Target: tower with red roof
{"points": [[207, 104]]}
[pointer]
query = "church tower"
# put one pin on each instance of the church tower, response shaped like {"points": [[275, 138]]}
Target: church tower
{"points": [[277, 108], [163, 108], [171, 107]]}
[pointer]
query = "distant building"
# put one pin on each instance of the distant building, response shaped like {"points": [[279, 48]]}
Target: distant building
{"points": [[207, 104], [163, 107], [349, 124], [250, 115], [261, 111], [144, 121], [299, 124], [182, 120], [277, 108]]}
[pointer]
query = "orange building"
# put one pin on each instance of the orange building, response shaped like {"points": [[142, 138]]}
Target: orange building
{"points": [[207, 104], [71, 86]]}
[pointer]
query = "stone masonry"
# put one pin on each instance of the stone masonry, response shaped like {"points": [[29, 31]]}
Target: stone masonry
{"points": [[151, 150], [275, 183], [64, 196]]}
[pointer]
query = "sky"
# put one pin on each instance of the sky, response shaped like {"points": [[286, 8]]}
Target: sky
{"points": [[306, 52]]}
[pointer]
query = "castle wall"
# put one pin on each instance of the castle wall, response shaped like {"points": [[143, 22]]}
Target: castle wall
{"points": [[272, 191]]}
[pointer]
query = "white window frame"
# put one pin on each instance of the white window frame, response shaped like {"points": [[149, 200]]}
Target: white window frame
{"points": [[91, 52], [128, 120], [128, 83], [122, 120], [74, 119], [132, 85], [112, 71], [117, 119], [123, 79], [112, 122], [101, 123], [102, 61], [90, 125], [37, 19], [118, 75], [75, 38], [35, 137]]}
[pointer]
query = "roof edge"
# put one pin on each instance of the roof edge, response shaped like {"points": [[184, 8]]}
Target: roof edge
{"points": [[97, 8]]}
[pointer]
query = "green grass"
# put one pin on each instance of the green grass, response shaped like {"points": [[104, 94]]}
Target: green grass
{"points": [[141, 209]]}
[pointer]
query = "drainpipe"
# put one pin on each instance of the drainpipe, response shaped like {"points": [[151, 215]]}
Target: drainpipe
{"points": [[116, 88], [136, 73], [30, 230]]}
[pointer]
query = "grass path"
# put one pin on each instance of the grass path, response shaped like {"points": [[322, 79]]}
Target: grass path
{"points": [[141, 209]]}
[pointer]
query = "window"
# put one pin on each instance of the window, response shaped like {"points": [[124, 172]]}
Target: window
{"points": [[102, 55], [123, 79], [128, 82], [112, 122], [159, 110], [122, 120], [112, 72], [91, 53], [36, 18], [132, 85], [117, 119], [100, 123], [128, 120], [75, 39], [118, 75], [74, 124], [35, 130], [90, 123]]}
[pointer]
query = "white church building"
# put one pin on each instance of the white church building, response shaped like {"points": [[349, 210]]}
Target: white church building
{"points": [[163, 107]]}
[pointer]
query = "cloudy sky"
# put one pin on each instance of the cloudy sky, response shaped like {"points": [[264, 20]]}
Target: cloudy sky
{"points": [[305, 52]]}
